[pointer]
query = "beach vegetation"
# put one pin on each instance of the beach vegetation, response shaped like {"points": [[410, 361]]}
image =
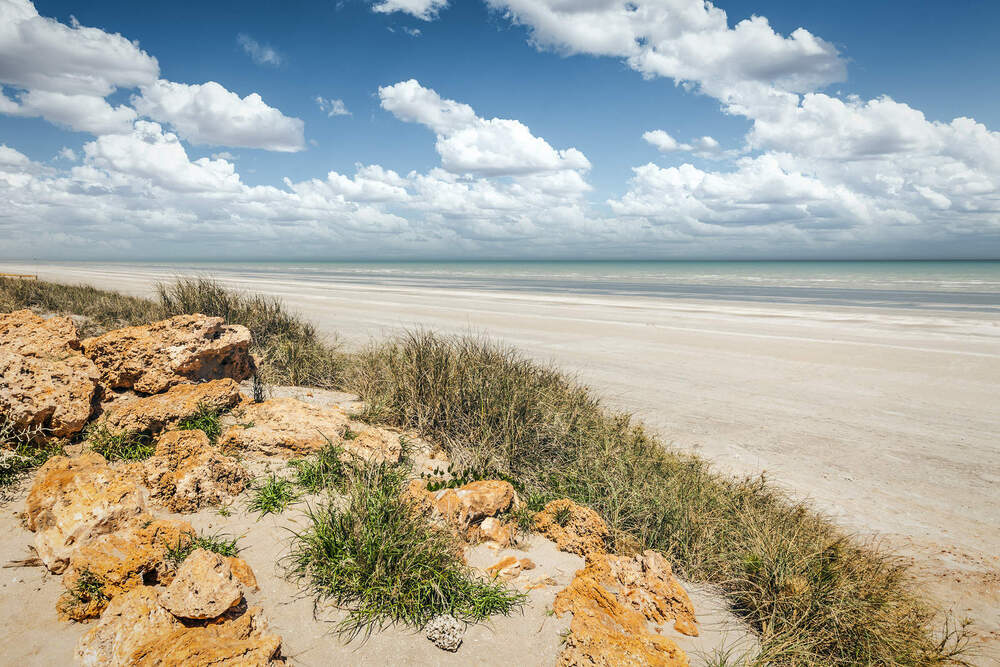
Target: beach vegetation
{"points": [[385, 563], [119, 445], [321, 471], [23, 450], [205, 419], [224, 545], [272, 495]]}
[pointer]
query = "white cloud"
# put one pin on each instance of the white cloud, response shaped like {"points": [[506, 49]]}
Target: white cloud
{"points": [[332, 107], [470, 144], [82, 113], [426, 10], [68, 154], [261, 54], [210, 114]]}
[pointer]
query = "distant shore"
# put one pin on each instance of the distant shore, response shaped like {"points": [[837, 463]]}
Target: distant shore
{"points": [[885, 417]]}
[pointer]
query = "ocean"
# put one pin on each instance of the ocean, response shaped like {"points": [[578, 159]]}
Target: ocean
{"points": [[948, 285]]}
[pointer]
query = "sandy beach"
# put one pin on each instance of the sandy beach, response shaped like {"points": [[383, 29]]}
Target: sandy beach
{"points": [[886, 419]]}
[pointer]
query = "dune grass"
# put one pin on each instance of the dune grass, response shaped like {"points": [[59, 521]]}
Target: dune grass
{"points": [[321, 471], [386, 563], [22, 450], [120, 445], [224, 545], [206, 419], [272, 495], [814, 594]]}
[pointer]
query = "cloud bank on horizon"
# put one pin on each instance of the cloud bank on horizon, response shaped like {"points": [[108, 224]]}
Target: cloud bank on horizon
{"points": [[817, 174]]}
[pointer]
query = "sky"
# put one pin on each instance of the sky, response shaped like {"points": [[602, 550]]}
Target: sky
{"points": [[499, 129]]}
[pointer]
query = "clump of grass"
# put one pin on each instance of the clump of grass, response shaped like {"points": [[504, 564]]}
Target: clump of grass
{"points": [[386, 564], [321, 471], [272, 496], [563, 516], [86, 597], [22, 450], [120, 445], [814, 594], [224, 545], [205, 419]]}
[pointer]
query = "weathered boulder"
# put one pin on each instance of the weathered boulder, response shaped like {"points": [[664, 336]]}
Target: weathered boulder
{"points": [[203, 588], [44, 380], [289, 427], [243, 572], [468, 504], [241, 642], [154, 357], [187, 473], [574, 528], [131, 557], [494, 530], [130, 621], [604, 632], [73, 501], [136, 630], [154, 413]]}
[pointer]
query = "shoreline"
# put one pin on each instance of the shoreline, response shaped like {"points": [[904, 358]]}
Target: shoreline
{"points": [[885, 422]]}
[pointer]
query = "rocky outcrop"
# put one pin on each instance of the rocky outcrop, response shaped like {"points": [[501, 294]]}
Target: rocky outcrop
{"points": [[44, 379], [151, 414], [203, 588], [467, 505], [157, 356], [574, 528], [136, 630], [128, 558], [606, 630], [289, 427], [75, 500], [187, 473]]}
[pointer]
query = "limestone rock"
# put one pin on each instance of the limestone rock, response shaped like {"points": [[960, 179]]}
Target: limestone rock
{"points": [[73, 501], [187, 473], [574, 528], [604, 632], [466, 505], [44, 380], [241, 642], [154, 357], [154, 413], [243, 572], [446, 632], [128, 558], [647, 584], [289, 427], [510, 567], [504, 534], [128, 623], [203, 588]]}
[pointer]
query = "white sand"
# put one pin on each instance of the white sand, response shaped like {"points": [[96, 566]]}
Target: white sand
{"points": [[886, 420]]}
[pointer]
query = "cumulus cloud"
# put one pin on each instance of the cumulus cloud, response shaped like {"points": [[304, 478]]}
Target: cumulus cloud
{"points": [[210, 114], [470, 144], [332, 107], [426, 10], [261, 54]]}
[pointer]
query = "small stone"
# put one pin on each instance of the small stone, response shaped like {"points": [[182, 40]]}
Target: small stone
{"points": [[446, 632], [203, 588]]}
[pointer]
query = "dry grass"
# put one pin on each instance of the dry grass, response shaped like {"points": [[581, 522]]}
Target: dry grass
{"points": [[814, 594]]}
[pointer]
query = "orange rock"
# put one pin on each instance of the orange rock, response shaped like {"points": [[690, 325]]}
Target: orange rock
{"points": [[604, 632], [574, 528], [503, 564], [44, 380], [243, 572], [131, 557], [510, 567], [504, 534], [187, 473], [75, 500], [154, 413], [204, 587], [154, 357], [129, 622]]}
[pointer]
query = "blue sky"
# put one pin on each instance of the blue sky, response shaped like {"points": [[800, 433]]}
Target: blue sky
{"points": [[823, 176]]}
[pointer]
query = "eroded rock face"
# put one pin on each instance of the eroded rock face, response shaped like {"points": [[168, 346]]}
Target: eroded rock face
{"points": [[126, 626], [128, 558], [242, 642], [467, 505], [574, 528], [604, 631], [154, 413], [203, 588], [75, 500], [44, 380], [187, 473], [289, 427], [157, 356]]}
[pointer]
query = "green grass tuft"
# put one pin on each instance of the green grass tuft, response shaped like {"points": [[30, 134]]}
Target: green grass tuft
{"points": [[386, 564], [120, 445], [205, 419], [272, 496], [23, 450], [187, 544], [321, 471]]}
